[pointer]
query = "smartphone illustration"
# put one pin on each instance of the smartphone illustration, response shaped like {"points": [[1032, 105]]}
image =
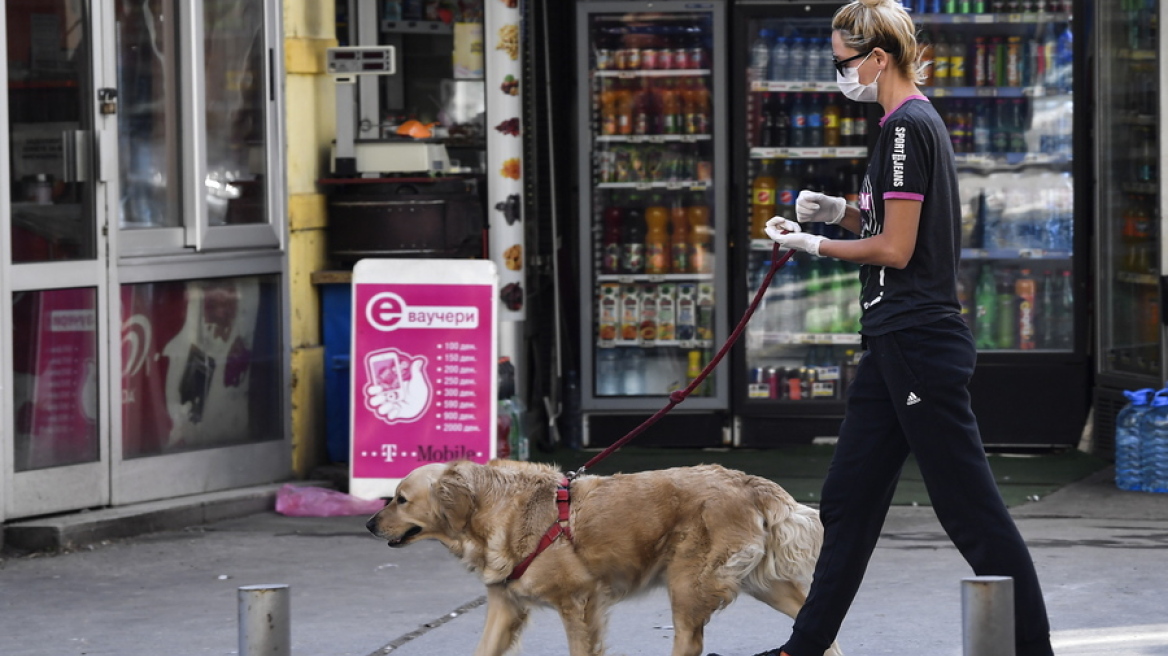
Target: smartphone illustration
{"points": [[385, 371]]}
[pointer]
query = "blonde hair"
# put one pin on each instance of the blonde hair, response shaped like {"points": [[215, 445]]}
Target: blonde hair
{"points": [[867, 24]]}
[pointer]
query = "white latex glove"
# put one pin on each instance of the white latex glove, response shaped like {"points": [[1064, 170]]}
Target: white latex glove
{"points": [[799, 241], [814, 207], [780, 225]]}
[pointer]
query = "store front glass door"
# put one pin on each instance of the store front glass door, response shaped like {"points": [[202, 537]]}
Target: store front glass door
{"points": [[55, 355], [142, 274]]}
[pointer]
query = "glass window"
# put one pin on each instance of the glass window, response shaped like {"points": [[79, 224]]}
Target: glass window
{"points": [[200, 364], [47, 81], [234, 50], [54, 347], [147, 126]]}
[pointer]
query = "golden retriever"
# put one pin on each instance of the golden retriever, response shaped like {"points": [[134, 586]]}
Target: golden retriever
{"points": [[706, 533]]}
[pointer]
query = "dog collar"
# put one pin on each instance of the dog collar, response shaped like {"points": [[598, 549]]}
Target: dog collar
{"points": [[558, 528]]}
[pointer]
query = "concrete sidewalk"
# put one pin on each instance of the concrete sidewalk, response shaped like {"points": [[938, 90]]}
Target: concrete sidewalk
{"points": [[1099, 553]]}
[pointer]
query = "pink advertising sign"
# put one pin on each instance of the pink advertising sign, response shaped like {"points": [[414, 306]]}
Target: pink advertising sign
{"points": [[423, 368]]}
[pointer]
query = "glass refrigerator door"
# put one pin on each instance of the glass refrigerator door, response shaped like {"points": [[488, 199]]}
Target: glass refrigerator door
{"points": [[652, 235], [1003, 84], [1128, 243], [801, 133]]}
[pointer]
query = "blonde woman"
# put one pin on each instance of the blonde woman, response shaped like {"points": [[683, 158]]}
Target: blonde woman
{"points": [[910, 392]]}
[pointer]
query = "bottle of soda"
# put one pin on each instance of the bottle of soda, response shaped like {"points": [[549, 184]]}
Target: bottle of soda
{"points": [[766, 129], [814, 122], [799, 137], [1064, 317], [832, 123], [679, 237], [847, 125], [633, 238], [1128, 469], [957, 62], [657, 247], [1047, 311], [1026, 289], [985, 302], [941, 61], [701, 257], [781, 124], [611, 237], [860, 138], [763, 192], [1006, 332], [787, 190]]}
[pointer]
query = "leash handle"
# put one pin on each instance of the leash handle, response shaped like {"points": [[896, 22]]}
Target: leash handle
{"points": [[680, 395]]}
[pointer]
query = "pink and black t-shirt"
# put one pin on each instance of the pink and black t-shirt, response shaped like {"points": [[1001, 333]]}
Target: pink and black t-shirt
{"points": [[912, 160]]}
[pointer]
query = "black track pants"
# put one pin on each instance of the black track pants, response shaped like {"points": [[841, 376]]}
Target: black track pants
{"points": [[910, 395]]}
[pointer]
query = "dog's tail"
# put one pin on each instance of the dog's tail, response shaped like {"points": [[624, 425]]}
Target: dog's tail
{"points": [[793, 535]]}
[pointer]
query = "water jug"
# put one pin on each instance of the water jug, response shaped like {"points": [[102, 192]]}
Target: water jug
{"points": [[1154, 445], [1128, 473]]}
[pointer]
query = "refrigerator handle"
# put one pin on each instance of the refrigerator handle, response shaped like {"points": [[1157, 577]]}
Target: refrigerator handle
{"points": [[1164, 300]]}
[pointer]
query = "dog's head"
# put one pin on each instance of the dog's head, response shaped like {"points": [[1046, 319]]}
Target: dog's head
{"points": [[432, 502]]}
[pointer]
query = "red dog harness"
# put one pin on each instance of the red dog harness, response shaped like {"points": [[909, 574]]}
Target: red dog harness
{"points": [[558, 528]]}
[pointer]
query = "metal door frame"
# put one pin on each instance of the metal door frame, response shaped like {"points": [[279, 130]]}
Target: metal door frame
{"points": [[83, 485]]}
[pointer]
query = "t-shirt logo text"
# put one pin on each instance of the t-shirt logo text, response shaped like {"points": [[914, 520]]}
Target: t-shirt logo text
{"points": [[898, 158]]}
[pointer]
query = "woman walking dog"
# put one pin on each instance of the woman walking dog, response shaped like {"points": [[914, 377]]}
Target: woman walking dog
{"points": [[910, 392]]}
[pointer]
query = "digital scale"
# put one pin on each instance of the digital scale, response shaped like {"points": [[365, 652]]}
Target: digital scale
{"points": [[351, 156]]}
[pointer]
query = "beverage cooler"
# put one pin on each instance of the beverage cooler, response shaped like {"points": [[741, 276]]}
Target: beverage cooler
{"points": [[1003, 76], [653, 223], [1129, 87]]}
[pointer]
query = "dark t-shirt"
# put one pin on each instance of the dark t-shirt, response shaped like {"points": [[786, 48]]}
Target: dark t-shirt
{"points": [[913, 159]]}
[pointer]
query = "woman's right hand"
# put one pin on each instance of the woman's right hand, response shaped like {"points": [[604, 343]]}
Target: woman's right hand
{"points": [[814, 207]]}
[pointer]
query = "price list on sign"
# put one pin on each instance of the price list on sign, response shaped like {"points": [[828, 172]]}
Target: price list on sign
{"points": [[457, 402], [423, 373]]}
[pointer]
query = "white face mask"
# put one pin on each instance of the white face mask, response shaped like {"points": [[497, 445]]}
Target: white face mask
{"points": [[849, 84]]}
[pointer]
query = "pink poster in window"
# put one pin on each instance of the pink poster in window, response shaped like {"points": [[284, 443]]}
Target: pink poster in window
{"points": [[63, 410], [423, 368]]}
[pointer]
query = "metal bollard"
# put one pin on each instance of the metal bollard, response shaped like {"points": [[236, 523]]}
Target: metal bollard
{"points": [[264, 628], [987, 615]]}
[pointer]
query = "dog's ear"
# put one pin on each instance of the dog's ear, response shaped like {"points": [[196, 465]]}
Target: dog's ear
{"points": [[455, 498]]}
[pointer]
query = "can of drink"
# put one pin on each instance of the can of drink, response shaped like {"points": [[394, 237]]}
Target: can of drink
{"points": [[632, 59], [681, 58], [1014, 62], [665, 59], [980, 63], [649, 58], [618, 59], [758, 376], [697, 58], [773, 379], [604, 59]]}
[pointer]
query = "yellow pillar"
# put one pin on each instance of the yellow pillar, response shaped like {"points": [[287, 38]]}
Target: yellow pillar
{"points": [[309, 29]]}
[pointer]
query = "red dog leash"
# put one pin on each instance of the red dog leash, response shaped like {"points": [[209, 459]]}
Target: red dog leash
{"points": [[563, 492]]}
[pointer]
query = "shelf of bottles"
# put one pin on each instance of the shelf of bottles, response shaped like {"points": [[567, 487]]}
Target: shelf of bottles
{"points": [[1000, 74], [801, 133], [652, 150], [1129, 190]]}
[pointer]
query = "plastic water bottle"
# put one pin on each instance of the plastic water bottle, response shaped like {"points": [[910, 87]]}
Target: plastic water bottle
{"points": [[814, 61], [608, 374], [1154, 445], [780, 68], [792, 294], [634, 371], [1128, 473], [798, 59], [826, 71], [760, 55], [1064, 58]]}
